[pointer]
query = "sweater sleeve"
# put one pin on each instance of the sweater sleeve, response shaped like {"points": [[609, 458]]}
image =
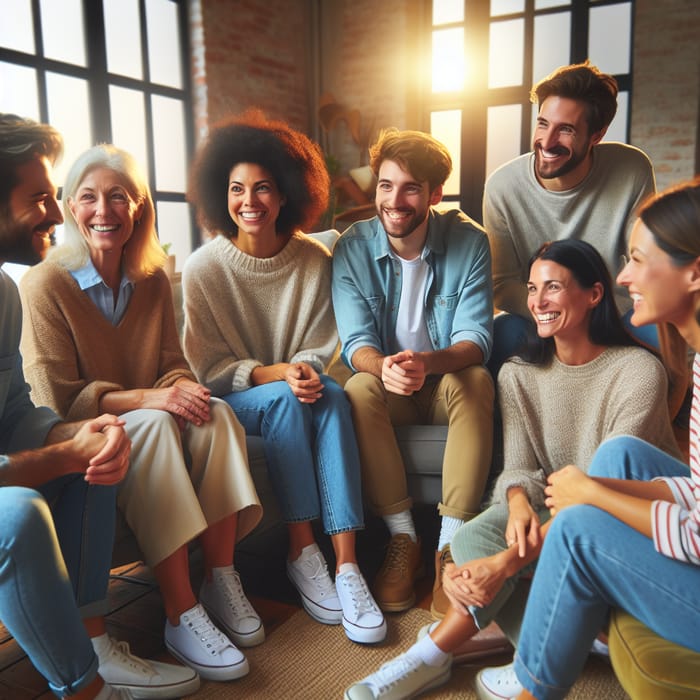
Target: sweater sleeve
{"points": [[508, 287], [207, 349], [520, 464]]}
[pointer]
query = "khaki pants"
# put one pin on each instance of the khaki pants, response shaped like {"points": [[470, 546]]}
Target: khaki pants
{"points": [[179, 484], [461, 400]]}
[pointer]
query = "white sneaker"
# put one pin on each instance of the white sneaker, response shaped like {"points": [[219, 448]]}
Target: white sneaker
{"points": [[309, 574], [142, 679], [107, 692], [362, 619], [403, 677], [199, 644], [498, 683], [226, 603]]}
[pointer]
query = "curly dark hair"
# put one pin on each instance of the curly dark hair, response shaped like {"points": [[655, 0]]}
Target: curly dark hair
{"points": [[294, 161], [585, 83]]}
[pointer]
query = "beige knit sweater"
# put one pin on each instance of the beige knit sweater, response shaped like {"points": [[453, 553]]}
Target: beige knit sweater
{"points": [[243, 312], [73, 355], [559, 414]]}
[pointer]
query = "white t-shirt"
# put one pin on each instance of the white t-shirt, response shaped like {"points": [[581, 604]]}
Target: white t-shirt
{"points": [[411, 330]]}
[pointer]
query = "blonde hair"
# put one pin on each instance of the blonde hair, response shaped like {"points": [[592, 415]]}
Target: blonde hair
{"points": [[142, 254]]}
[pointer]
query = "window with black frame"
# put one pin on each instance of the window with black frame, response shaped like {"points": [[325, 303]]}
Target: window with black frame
{"points": [[487, 54], [108, 71]]}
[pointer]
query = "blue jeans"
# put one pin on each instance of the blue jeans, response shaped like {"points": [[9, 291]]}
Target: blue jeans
{"points": [[590, 562], [36, 597], [311, 452], [84, 517]]}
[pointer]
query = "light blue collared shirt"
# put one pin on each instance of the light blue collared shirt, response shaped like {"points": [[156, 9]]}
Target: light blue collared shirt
{"points": [[90, 281], [367, 282]]}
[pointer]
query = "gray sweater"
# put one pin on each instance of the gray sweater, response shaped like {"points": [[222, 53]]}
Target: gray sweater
{"points": [[559, 414], [520, 215]]}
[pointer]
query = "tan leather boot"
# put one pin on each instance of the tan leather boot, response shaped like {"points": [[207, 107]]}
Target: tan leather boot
{"points": [[393, 585], [441, 603]]}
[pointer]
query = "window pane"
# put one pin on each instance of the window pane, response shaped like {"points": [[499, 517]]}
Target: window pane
{"points": [[544, 4], [446, 127], [445, 11], [19, 33], [68, 44], [506, 7], [174, 226], [18, 90], [128, 114], [123, 37], [551, 43], [503, 135], [448, 60], [163, 43], [609, 37], [617, 131], [169, 144], [506, 45], [69, 112]]}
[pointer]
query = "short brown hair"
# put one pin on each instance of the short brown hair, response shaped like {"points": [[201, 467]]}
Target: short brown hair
{"points": [[416, 152], [585, 83]]}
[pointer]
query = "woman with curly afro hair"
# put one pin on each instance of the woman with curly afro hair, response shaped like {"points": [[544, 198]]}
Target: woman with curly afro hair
{"points": [[260, 331]]}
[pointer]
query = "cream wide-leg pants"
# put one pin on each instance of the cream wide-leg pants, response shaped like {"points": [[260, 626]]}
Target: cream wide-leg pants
{"points": [[180, 483]]}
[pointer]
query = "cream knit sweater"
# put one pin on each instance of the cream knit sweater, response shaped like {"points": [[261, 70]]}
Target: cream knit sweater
{"points": [[243, 312], [559, 414]]}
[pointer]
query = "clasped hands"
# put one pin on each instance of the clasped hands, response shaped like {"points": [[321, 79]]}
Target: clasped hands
{"points": [[403, 373], [304, 382]]}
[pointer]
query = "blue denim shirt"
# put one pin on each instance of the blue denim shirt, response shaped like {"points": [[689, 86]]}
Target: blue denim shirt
{"points": [[459, 295], [22, 425]]}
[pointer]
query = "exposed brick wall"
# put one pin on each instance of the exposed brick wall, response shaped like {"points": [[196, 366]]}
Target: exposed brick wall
{"points": [[251, 54], [666, 82]]}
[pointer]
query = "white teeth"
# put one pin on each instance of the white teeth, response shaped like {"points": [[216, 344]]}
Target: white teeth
{"points": [[104, 229], [251, 215], [396, 215], [545, 318], [635, 296]]}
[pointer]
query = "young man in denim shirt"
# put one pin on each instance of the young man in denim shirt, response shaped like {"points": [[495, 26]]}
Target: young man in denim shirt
{"points": [[413, 300]]}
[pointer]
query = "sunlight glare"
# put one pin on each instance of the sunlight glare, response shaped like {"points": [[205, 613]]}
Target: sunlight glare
{"points": [[448, 60]]}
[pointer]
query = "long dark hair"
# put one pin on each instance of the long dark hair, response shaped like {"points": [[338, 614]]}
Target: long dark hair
{"points": [[588, 268]]}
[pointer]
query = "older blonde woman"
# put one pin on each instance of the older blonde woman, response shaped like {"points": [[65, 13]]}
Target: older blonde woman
{"points": [[100, 336]]}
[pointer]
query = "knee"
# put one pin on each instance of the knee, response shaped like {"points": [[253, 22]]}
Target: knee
{"points": [[473, 383], [23, 514], [363, 387], [150, 421], [611, 459]]}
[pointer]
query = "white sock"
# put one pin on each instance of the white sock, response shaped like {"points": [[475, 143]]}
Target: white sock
{"points": [[448, 527], [401, 524], [347, 568], [429, 652]]}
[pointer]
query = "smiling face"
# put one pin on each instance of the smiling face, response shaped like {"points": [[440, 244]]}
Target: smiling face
{"points": [[661, 290], [254, 203], [104, 211], [562, 144], [33, 214], [403, 203], [558, 304]]}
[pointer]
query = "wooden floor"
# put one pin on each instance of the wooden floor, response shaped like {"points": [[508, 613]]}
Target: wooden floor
{"points": [[136, 611]]}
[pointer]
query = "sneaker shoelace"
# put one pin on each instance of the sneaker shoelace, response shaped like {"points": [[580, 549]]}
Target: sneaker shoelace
{"points": [[229, 583], [362, 600], [317, 571], [389, 675], [201, 626], [120, 653], [506, 679]]}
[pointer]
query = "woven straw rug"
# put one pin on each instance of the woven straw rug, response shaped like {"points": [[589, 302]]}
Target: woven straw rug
{"points": [[304, 660]]}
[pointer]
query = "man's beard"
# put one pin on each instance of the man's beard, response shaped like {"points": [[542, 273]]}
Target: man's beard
{"points": [[575, 159], [17, 244]]}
